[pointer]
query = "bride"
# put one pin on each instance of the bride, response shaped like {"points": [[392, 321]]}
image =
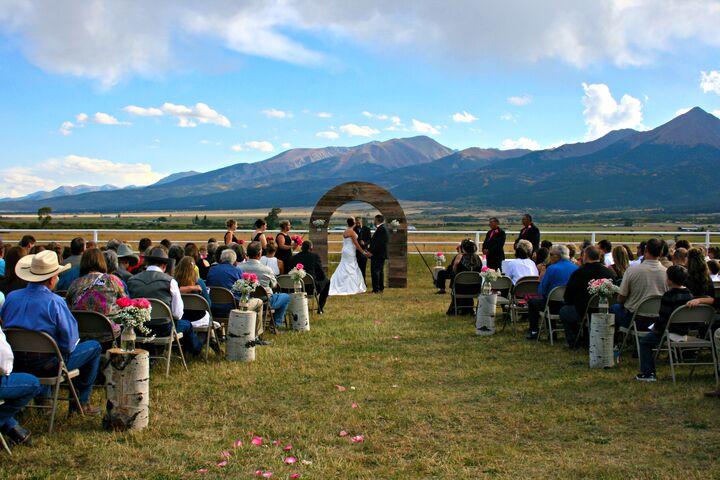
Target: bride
{"points": [[348, 279]]}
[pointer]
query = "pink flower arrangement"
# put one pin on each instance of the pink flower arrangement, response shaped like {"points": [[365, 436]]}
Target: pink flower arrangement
{"points": [[241, 242], [300, 266], [133, 313], [603, 287], [297, 240], [126, 302], [250, 276]]}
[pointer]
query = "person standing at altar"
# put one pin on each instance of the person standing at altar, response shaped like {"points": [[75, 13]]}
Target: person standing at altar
{"points": [[494, 245], [529, 232], [378, 253], [363, 236]]}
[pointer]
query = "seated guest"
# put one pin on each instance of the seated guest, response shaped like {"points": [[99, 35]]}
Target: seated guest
{"points": [[546, 244], [665, 259], [577, 296], [469, 261], [676, 296], [559, 270], [57, 248], [278, 301], [572, 251], [447, 273], [126, 261], [313, 265], [270, 260], [640, 254], [166, 243], [16, 391], [36, 249], [522, 265], [541, 258], [2, 259], [175, 253], [202, 265], [621, 262], [37, 308], [113, 244], [680, 257], [683, 244], [27, 242], [714, 267], [259, 235], [155, 283], [605, 247], [714, 253], [188, 279], [640, 282], [67, 277], [629, 252], [95, 290], [239, 251], [143, 246], [10, 281], [77, 248], [699, 282], [111, 261]]}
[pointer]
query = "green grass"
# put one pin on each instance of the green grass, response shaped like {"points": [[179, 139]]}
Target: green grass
{"points": [[438, 402]]}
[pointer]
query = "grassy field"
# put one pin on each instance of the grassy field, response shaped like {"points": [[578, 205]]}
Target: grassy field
{"points": [[433, 401]]}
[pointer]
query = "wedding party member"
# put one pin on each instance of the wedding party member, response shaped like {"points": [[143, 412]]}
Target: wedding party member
{"points": [[363, 237], [529, 232], [348, 279], [155, 283], [469, 261], [378, 253], [313, 265], [230, 237], [10, 281], [278, 301], [284, 243], [37, 308], [259, 235], [270, 260], [494, 245], [522, 265], [16, 391], [558, 272], [577, 296]]}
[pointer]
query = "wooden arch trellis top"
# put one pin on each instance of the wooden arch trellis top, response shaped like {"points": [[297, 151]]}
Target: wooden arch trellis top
{"points": [[379, 198]]}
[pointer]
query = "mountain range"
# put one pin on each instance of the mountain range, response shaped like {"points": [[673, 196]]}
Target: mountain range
{"points": [[672, 165]]}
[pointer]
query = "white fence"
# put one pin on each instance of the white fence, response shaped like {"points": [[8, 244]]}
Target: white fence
{"points": [[425, 241]]}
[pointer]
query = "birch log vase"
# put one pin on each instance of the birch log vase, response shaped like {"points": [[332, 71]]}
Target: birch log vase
{"points": [[602, 333], [240, 346], [127, 387], [298, 308], [485, 320]]}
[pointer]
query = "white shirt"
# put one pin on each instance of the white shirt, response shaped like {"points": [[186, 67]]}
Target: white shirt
{"points": [[271, 262], [518, 268], [6, 356], [638, 261], [715, 278], [609, 260], [177, 307]]}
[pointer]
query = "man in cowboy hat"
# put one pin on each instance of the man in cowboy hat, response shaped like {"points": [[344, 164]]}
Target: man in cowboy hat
{"points": [[126, 260], [155, 283], [37, 308]]}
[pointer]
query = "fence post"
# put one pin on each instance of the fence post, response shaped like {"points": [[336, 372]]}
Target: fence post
{"points": [[707, 240], [95, 236], [592, 238], [477, 240]]}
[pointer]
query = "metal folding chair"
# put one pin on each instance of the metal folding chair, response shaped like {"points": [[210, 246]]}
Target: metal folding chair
{"points": [[648, 308], [470, 283], [161, 317], [547, 318], [198, 306]]}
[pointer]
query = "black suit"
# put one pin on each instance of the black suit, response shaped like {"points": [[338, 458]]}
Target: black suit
{"points": [[495, 245], [363, 234], [312, 265], [531, 234], [379, 249]]}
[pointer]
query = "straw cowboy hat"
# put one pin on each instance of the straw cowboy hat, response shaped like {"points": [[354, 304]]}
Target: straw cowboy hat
{"points": [[123, 251], [40, 267]]}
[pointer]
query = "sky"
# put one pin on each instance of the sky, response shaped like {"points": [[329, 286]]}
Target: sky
{"points": [[125, 93]]}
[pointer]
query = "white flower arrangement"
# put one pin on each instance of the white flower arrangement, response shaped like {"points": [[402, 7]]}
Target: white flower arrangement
{"points": [[395, 224], [133, 314], [603, 287], [246, 285], [298, 273], [319, 223], [489, 275]]}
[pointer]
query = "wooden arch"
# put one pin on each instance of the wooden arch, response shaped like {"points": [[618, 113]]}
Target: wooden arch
{"points": [[379, 198]]}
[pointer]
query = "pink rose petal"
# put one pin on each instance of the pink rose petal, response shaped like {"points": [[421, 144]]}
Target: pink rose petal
{"points": [[295, 475], [340, 388], [258, 473], [267, 474], [354, 405], [378, 322], [257, 441], [201, 470], [396, 337], [222, 464], [237, 444], [276, 442], [290, 460], [225, 454], [287, 448], [343, 433], [358, 438]]}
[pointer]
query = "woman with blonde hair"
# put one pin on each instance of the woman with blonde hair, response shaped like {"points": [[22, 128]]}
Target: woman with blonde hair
{"points": [[621, 259], [230, 234], [270, 260], [188, 279]]}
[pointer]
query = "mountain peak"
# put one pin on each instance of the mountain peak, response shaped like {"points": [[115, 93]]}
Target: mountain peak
{"points": [[694, 127]]}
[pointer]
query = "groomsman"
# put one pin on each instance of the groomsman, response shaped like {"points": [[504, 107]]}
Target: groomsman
{"points": [[494, 245], [378, 253], [529, 232], [364, 235]]}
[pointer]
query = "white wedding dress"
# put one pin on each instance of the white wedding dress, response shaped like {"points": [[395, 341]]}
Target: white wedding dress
{"points": [[347, 279]]}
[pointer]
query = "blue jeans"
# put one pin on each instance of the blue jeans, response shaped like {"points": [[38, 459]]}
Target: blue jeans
{"points": [[570, 319], [16, 389], [623, 316], [279, 302], [647, 356], [190, 341], [85, 358]]}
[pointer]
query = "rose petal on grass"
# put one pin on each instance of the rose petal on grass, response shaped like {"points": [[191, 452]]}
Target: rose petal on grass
{"points": [[343, 433], [354, 405], [267, 474], [290, 460], [276, 442], [295, 475], [222, 464], [287, 448], [237, 443], [257, 441], [340, 388], [378, 322], [358, 438], [258, 473], [201, 470], [225, 454], [396, 337]]}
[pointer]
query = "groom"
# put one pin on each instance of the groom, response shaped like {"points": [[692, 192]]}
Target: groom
{"points": [[378, 253]]}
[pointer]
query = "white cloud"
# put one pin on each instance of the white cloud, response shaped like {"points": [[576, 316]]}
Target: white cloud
{"points": [[99, 118], [327, 134], [286, 145], [710, 82], [261, 145], [358, 131], [422, 127], [273, 113], [464, 117], [379, 116], [324, 115], [508, 117], [519, 101], [681, 111], [81, 117], [75, 170], [603, 113], [237, 148], [66, 128], [143, 112], [189, 117], [522, 142], [396, 121]]}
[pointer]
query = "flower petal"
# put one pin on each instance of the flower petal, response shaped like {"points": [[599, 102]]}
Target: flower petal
{"points": [[295, 475], [267, 474], [343, 433], [225, 454], [287, 448], [354, 405], [237, 444], [201, 470], [340, 388], [396, 337], [257, 441], [306, 462], [290, 460], [276, 442], [222, 464], [358, 438]]}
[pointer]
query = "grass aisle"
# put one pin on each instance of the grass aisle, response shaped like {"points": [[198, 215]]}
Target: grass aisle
{"points": [[437, 402]]}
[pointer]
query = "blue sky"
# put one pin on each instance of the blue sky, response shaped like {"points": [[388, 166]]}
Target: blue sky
{"points": [[126, 92]]}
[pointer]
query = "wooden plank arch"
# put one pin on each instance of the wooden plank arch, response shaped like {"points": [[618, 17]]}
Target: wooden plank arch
{"points": [[379, 198]]}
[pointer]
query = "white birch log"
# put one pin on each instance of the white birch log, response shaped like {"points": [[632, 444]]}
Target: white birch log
{"points": [[240, 344], [127, 387], [602, 333], [298, 308], [485, 319]]}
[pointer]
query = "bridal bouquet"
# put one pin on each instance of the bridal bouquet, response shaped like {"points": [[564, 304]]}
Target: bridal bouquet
{"points": [[297, 240], [246, 286], [603, 287]]}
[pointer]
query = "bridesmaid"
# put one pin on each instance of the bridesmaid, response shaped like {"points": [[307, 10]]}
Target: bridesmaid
{"points": [[284, 243], [230, 234], [260, 227]]}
